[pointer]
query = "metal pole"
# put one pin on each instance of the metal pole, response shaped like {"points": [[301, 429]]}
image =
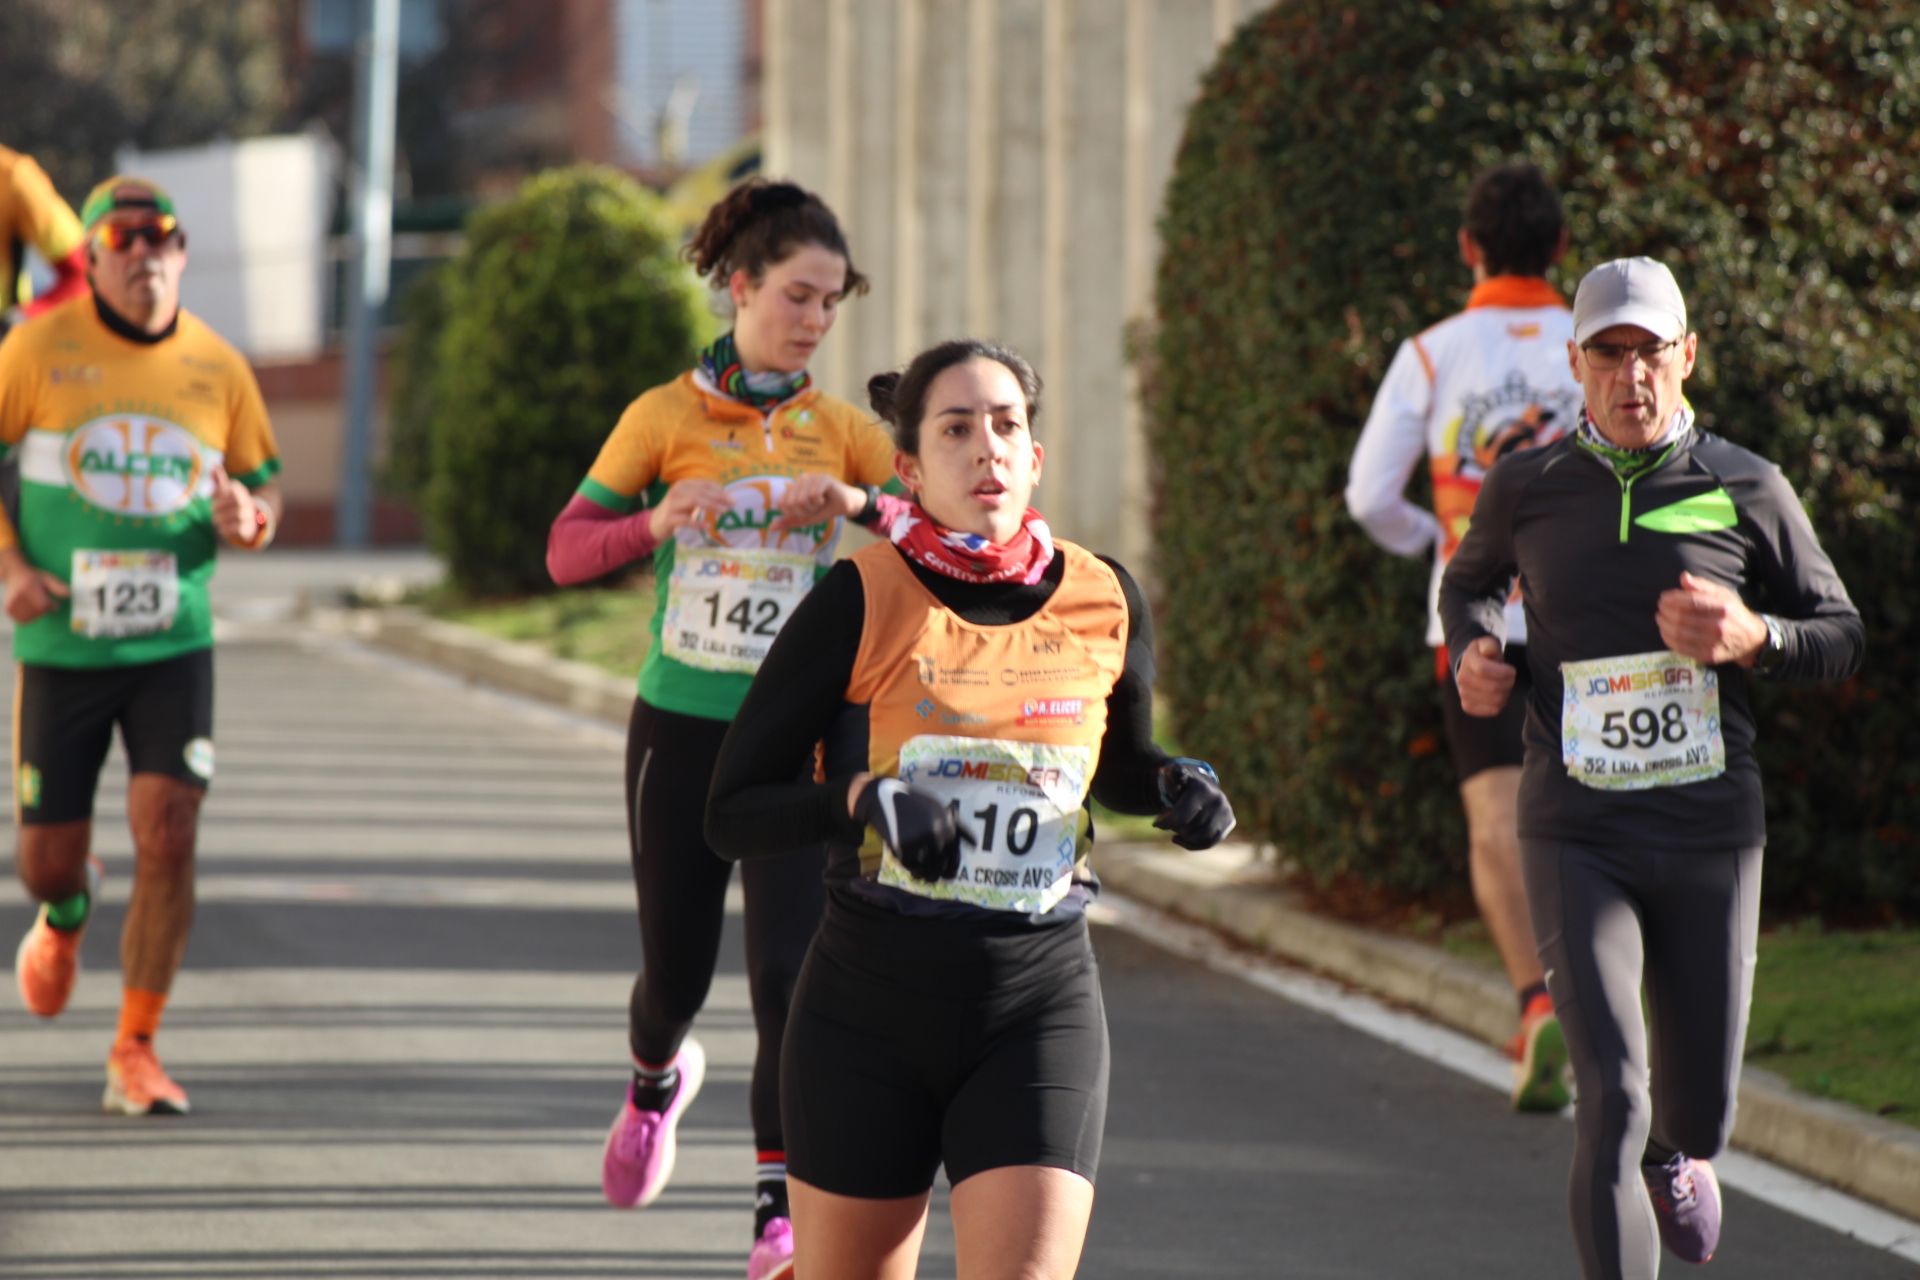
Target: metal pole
{"points": [[376, 78]]}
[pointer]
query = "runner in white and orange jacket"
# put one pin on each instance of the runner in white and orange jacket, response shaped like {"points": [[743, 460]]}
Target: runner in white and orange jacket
{"points": [[1489, 381]]}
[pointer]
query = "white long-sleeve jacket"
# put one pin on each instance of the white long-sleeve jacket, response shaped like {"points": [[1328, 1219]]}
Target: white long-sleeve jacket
{"points": [[1486, 382]]}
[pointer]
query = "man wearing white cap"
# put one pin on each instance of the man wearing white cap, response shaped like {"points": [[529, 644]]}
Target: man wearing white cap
{"points": [[1661, 568]]}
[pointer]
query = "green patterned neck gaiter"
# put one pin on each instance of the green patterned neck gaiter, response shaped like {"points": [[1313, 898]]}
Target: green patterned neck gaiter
{"points": [[1628, 463], [721, 363]]}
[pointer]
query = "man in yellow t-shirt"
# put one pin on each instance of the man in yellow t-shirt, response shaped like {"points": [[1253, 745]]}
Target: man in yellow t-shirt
{"points": [[143, 443]]}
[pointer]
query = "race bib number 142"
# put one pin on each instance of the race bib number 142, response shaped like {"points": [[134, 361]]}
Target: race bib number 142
{"points": [[1639, 721], [725, 605]]}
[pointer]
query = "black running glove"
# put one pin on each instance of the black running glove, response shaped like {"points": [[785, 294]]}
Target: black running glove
{"points": [[917, 828], [1196, 812]]}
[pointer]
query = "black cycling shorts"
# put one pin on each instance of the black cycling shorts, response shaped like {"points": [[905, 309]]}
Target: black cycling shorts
{"points": [[916, 1041], [1492, 742], [64, 719]]}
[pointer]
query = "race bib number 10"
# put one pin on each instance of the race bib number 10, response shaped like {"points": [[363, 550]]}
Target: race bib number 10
{"points": [[124, 593], [725, 605], [1019, 802], [1640, 721]]}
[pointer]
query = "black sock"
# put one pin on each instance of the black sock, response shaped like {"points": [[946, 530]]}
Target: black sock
{"points": [[769, 1190], [1657, 1154], [1527, 995], [654, 1087]]}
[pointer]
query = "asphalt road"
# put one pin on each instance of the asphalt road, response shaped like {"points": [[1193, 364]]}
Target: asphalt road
{"points": [[402, 1026]]}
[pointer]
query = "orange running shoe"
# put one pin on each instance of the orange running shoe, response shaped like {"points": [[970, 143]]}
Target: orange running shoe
{"points": [[137, 1085], [48, 960]]}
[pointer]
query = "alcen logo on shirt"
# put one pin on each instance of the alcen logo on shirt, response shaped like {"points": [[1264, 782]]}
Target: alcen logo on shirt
{"points": [[748, 523], [133, 465]]}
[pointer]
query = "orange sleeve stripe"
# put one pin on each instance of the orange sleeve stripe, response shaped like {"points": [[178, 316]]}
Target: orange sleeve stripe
{"points": [[1426, 361]]}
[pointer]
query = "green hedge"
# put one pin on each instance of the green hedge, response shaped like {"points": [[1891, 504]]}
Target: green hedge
{"points": [[411, 388], [1770, 154], [566, 302]]}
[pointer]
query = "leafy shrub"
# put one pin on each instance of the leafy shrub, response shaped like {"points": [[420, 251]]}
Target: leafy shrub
{"points": [[1769, 154], [422, 314], [566, 302]]}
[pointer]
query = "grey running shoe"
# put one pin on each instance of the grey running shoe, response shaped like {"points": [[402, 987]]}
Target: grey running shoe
{"points": [[1686, 1202]]}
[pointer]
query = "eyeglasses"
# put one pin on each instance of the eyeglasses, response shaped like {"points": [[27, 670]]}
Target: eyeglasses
{"points": [[119, 236], [1611, 355]]}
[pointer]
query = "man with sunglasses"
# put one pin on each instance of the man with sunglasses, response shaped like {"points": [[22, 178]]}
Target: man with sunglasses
{"points": [[1662, 568], [143, 445]]}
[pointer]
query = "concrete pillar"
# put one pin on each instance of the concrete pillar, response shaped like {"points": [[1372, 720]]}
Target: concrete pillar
{"points": [[983, 170], [1094, 281], [1056, 78], [943, 139], [806, 52], [864, 338], [837, 84], [1018, 249], [909, 235]]}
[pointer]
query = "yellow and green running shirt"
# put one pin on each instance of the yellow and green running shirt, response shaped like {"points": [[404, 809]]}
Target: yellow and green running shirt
{"points": [[727, 583], [31, 213], [117, 440]]}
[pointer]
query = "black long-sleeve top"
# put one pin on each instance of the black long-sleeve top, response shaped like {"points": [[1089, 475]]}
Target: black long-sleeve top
{"points": [[1593, 552], [756, 808]]}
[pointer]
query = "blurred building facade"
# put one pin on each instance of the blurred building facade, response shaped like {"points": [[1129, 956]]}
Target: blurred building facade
{"points": [[999, 166]]}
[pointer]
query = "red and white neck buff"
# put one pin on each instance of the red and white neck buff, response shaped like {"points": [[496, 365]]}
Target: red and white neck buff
{"points": [[970, 557]]}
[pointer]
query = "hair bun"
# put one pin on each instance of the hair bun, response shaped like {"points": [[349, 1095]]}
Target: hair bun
{"points": [[881, 388], [771, 197]]}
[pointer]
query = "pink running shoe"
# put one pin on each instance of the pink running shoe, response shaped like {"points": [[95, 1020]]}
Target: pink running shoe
{"points": [[638, 1157], [772, 1256]]}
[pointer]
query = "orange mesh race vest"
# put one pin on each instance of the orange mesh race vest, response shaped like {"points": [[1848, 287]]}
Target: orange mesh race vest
{"points": [[1002, 722]]}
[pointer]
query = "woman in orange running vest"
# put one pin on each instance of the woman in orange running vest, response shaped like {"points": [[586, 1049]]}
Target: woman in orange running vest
{"points": [[972, 682]]}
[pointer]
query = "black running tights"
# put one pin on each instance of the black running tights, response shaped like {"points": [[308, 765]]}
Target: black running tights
{"points": [[683, 888], [1684, 923]]}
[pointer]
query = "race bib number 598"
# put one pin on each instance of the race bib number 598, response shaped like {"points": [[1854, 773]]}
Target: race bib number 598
{"points": [[1639, 721]]}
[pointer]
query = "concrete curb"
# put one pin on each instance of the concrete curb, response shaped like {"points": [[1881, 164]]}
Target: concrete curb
{"points": [[1874, 1159], [500, 664]]}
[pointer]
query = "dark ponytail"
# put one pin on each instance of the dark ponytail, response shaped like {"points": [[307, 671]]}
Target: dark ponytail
{"points": [[760, 223], [900, 397]]}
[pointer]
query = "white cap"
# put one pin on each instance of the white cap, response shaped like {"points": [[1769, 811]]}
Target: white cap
{"points": [[1637, 291]]}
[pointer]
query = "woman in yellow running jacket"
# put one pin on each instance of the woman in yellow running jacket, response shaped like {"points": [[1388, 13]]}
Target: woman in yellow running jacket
{"points": [[736, 478]]}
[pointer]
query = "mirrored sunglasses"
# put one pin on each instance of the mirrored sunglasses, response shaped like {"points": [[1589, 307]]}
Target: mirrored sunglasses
{"points": [[119, 236]]}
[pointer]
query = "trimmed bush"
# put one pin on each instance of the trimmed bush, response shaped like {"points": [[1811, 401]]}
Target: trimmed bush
{"points": [[422, 314], [566, 302], [1770, 155]]}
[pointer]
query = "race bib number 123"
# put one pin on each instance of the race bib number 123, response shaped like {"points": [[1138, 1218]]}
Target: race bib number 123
{"points": [[124, 593]]}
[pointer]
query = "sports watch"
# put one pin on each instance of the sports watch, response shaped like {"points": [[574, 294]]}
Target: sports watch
{"points": [[1774, 651]]}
